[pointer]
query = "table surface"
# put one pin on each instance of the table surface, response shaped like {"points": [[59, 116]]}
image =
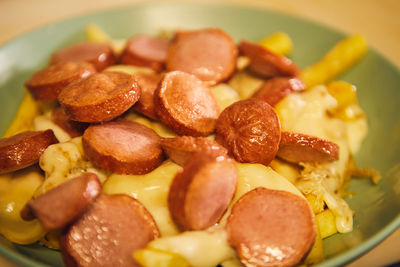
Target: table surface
{"points": [[377, 20]]}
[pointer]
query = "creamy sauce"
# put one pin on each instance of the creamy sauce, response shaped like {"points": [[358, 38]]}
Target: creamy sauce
{"points": [[151, 190], [64, 161], [16, 189], [41, 123]]}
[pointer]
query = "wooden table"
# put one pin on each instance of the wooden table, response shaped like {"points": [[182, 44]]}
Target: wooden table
{"points": [[377, 20]]}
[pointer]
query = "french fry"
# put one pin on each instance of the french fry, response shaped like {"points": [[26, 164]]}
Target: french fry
{"points": [[317, 251], [278, 42], [344, 93], [289, 171], [326, 223], [96, 34], [23, 121], [151, 257], [317, 203], [342, 56]]}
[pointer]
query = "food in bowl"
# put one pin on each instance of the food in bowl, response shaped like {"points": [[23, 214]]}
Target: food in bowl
{"points": [[265, 189]]}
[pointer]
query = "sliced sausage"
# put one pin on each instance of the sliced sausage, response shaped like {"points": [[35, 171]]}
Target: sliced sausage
{"points": [[297, 147], [250, 130], [146, 51], [274, 90], [179, 149], [185, 105], [48, 83], [99, 54], [200, 194], [73, 128], [210, 54], [107, 234], [266, 63], [271, 228], [123, 147], [64, 203], [148, 84], [24, 149], [100, 97]]}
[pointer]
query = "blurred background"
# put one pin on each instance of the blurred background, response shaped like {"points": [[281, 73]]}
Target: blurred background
{"points": [[377, 20]]}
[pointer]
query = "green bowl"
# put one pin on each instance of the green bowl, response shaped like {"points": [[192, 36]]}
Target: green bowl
{"points": [[378, 81]]}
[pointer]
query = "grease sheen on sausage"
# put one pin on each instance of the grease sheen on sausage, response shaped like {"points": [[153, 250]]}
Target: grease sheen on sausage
{"points": [[266, 63], [24, 149], [297, 147], [100, 97], [112, 228], [250, 130], [179, 149], [64, 203], [123, 147], [271, 228], [200, 194], [210, 54], [146, 51], [274, 90], [47, 83], [185, 105], [99, 54]]}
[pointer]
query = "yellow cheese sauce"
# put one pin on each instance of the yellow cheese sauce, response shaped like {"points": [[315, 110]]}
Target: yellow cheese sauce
{"points": [[151, 190], [16, 189]]}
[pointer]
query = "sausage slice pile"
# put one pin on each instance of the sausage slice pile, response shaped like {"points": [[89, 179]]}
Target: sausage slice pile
{"points": [[266, 227]]}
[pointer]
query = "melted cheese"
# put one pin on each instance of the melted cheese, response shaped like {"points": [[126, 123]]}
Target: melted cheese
{"points": [[251, 176], [212, 242], [43, 122], [157, 126], [16, 189], [151, 190], [225, 95], [199, 248], [65, 161]]}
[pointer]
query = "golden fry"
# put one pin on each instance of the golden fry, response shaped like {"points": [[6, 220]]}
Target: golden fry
{"points": [[27, 111], [341, 57], [278, 42]]}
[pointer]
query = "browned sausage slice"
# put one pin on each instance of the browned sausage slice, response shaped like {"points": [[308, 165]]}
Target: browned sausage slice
{"points": [[148, 83], [250, 130], [200, 194], [185, 105], [99, 54], [64, 203], [146, 51], [123, 146], [274, 90], [107, 234], [296, 147], [179, 149], [267, 63], [48, 83], [73, 128], [271, 228], [100, 97], [210, 54], [24, 149]]}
